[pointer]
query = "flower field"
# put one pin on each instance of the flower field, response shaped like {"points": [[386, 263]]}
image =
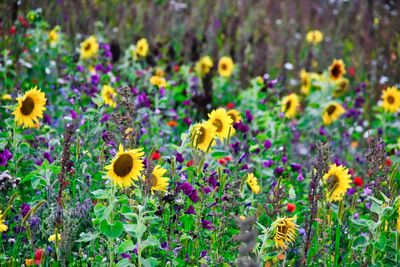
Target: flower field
{"points": [[139, 153]]}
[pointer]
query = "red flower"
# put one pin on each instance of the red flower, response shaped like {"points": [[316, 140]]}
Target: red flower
{"points": [[190, 163], [291, 207], [228, 158], [23, 21], [222, 161], [176, 68], [358, 181], [388, 162], [230, 105], [352, 71], [156, 155], [13, 30], [39, 253]]}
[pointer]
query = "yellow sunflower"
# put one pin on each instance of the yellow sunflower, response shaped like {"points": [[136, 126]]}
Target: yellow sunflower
{"points": [[30, 108], [314, 37], [3, 227], [337, 69], [253, 183], [342, 85], [391, 99], [108, 94], [53, 37], [89, 48], [158, 182], [235, 115], [158, 81], [337, 181], [202, 135], [126, 166], [398, 221], [55, 237], [142, 47], [305, 80], [284, 231], [225, 67], [204, 65], [222, 122], [290, 105], [332, 113]]}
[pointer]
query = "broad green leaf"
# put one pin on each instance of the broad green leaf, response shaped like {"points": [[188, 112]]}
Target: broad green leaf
{"points": [[125, 246], [87, 237], [111, 230]]}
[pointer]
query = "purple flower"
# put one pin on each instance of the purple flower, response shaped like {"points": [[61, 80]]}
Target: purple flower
{"points": [[284, 159], [194, 197], [46, 119], [125, 256], [249, 116], [295, 167], [104, 118], [187, 121], [268, 163], [367, 191], [24, 209], [179, 157], [212, 181], [206, 190], [203, 253], [187, 188], [207, 224], [322, 131], [47, 156], [267, 144], [278, 171], [5, 156], [164, 245], [300, 177], [98, 67], [73, 114], [79, 68], [190, 210], [95, 79], [351, 191], [356, 216]]}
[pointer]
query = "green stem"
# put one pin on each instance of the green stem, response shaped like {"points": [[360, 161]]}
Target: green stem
{"points": [[337, 243]]}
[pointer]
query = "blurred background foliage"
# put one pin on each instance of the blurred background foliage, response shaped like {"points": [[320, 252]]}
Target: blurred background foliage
{"points": [[262, 36]]}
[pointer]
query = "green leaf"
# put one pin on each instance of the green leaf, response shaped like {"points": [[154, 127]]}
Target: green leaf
{"points": [[360, 241], [219, 154], [111, 230], [138, 230], [149, 262], [151, 241], [380, 243], [101, 194], [125, 246], [87, 237], [123, 263]]}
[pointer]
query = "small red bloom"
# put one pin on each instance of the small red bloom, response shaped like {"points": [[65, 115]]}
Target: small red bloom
{"points": [[230, 105], [23, 21], [39, 253], [352, 71], [228, 158], [176, 68], [388, 162], [291, 207], [190, 163], [358, 181], [222, 161], [156, 155], [13, 30]]}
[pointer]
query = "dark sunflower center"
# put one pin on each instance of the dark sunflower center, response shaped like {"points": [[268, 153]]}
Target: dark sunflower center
{"points": [[333, 183], [335, 71], [201, 136], [224, 66], [390, 99], [282, 229], [233, 117], [305, 82], [331, 109], [152, 181], [218, 124], [288, 104], [87, 46], [27, 106], [123, 165]]}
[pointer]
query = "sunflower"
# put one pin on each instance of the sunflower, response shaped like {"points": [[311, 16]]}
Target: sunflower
{"points": [[398, 221], [53, 37], [202, 135], [142, 47], [332, 113], [342, 86], [222, 122], [235, 115], [108, 94], [284, 230], [253, 183], [3, 227], [89, 48], [305, 80], [157, 181], [314, 37], [391, 99], [290, 105], [204, 65], [158, 81], [225, 67], [337, 181], [337, 69], [126, 166], [30, 107]]}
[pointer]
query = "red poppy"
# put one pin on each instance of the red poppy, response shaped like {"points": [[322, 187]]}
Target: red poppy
{"points": [[156, 155], [358, 181], [291, 207]]}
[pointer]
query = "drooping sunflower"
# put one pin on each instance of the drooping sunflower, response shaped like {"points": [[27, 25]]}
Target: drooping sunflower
{"points": [[290, 105], [222, 122], [342, 86], [314, 37], [337, 69], [142, 47], [305, 81], [253, 183], [202, 135], [157, 181], [108, 94], [158, 81], [225, 67], [332, 113], [391, 99], [30, 108], [3, 227], [337, 181], [284, 230], [89, 48], [126, 166], [204, 65], [53, 37]]}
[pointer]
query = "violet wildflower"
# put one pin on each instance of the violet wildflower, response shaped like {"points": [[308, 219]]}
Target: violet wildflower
{"points": [[190, 210], [278, 171], [268, 163], [249, 116], [295, 167], [267, 144], [207, 224]]}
